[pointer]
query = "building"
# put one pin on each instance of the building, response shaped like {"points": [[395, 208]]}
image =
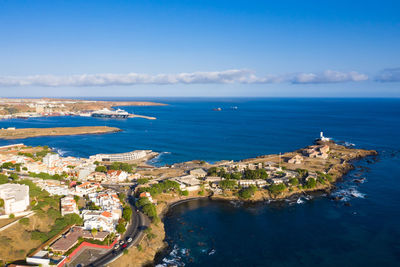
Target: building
{"points": [[117, 176], [15, 196], [323, 138], [68, 205], [93, 219], [297, 159], [146, 195], [86, 188], [121, 157], [257, 182], [198, 173], [51, 160], [188, 182]]}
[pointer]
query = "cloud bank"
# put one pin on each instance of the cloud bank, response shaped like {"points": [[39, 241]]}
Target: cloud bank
{"points": [[389, 75], [216, 77]]}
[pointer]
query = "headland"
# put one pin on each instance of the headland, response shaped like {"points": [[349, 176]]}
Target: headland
{"points": [[22, 133]]}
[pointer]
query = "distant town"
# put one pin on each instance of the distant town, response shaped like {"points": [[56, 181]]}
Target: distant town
{"points": [[53, 208], [45, 107]]}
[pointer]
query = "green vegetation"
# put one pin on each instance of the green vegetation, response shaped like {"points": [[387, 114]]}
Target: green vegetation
{"points": [[143, 180], [46, 176], [148, 208], [1, 202], [24, 221], [149, 234], [302, 172], [101, 168], [255, 174], [248, 192], [159, 188], [184, 193], [14, 176], [294, 181], [323, 176], [59, 224], [227, 184], [277, 188], [311, 183], [12, 216], [121, 227], [3, 179], [127, 213], [121, 166]]}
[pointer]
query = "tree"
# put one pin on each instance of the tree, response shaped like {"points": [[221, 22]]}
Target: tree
{"points": [[294, 181], [277, 188], [101, 168], [184, 193], [142, 202], [311, 183], [212, 171], [94, 232], [1, 202], [227, 184], [127, 213], [121, 228], [11, 216], [143, 180], [248, 192]]}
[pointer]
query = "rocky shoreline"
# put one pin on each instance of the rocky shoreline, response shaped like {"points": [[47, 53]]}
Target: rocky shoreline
{"points": [[157, 247]]}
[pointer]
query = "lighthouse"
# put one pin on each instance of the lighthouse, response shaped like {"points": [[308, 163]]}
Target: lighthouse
{"points": [[323, 138]]}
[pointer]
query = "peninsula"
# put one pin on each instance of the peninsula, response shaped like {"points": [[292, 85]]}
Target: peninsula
{"points": [[14, 133], [120, 202]]}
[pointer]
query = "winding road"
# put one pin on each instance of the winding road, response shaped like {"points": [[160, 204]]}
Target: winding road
{"points": [[139, 222]]}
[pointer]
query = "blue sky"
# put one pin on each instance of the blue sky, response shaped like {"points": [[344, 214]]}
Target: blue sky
{"points": [[200, 48]]}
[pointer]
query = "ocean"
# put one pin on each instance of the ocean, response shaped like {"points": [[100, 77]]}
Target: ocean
{"points": [[313, 232]]}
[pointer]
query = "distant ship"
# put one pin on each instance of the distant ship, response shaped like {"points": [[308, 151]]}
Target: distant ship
{"points": [[217, 109], [106, 113]]}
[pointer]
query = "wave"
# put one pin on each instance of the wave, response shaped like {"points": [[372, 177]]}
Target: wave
{"points": [[347, 194], [157, 158], [60, 151]]}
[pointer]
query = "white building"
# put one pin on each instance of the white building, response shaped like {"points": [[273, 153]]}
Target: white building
{"points": [[198, 173], [68, 205], [188, 182], [121, 157], [15, 196], [98, 220], [51, 160]]}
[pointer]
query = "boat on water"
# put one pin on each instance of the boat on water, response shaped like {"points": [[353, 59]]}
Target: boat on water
{"points": [[217, 109], [115, 114]]}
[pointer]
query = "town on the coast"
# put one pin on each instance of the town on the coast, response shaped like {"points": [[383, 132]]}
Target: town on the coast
{"points": [[24, 108], [107, 209]]}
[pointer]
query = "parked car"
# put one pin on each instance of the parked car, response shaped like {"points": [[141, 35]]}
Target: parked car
{"points": [[116, 247], [129, 240], [124, 245], [121, 242]]}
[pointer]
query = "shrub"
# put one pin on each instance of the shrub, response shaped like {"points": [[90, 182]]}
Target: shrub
{"points": [[311, 183], [294, 181], [184, 193], [24, 221], [11, 216], [248, 192], [143, 181], [101, 168], [227, 184], [277, 188]]}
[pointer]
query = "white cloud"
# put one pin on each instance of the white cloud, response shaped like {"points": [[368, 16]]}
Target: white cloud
{"points": [[216, 77], [389, 75]]}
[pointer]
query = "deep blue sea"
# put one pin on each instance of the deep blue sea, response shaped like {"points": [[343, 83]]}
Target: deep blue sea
{"points": [[318, 232]]}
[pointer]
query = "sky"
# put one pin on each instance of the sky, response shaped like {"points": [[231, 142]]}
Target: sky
{"points": [[200, 48]]}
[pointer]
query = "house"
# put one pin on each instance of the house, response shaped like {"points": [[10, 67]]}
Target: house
{"points": [[198, 173], [147, 195], [117, 176], [297, 159], [68, 205], [51, 160], [108, 201], [188, 182], [257, 182], [94, 219], [86, 188], [15, 196]]}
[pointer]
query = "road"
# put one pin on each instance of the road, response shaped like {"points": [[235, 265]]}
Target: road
{"points": [[139, 222]]}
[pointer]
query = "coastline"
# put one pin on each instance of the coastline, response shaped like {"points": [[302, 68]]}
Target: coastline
{"points": [[22, 133], [159, 247]]}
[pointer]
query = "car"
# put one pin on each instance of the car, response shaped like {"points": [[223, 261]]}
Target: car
{"points": [[116, 247], [124, 245], [121, 242], [129, 240]]}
